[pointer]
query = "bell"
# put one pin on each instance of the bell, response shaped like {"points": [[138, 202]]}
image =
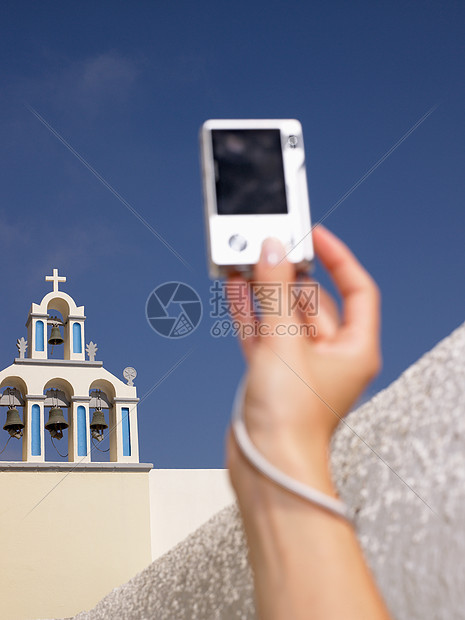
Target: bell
{"points": [[14, 424], [55, 336], [56, 423], [98, 425]]}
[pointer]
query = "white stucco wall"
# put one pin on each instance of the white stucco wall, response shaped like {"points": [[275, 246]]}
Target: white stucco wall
{"points": [[181, 500], [69, 534], [406, 483]]}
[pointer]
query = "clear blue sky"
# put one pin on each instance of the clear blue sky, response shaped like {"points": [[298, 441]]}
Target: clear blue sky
{"points": [[129, 84]]}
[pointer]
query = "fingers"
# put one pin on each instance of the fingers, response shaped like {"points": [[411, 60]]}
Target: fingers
{"points": [[357, 288], [324, 316], [269, 289], [242, 311], [272, 276]]}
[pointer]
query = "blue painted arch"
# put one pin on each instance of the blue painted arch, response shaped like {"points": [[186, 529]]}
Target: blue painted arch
{"points": [[126, 428], [77, 338], [36, 444], [40, 337], [81, 431]]}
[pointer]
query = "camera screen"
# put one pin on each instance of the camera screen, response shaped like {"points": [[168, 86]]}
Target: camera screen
{"points": [[249, 171]]}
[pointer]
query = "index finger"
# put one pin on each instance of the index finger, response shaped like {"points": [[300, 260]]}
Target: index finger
{"points": [[357, 288]]}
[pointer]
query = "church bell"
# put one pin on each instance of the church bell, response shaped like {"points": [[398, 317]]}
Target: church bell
{"points": [[56, 423], [98, 425], [14, 424], [55, 336]]}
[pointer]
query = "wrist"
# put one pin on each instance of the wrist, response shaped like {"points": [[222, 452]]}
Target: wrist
{"points": [[304, 458], [308, 465], [275, 454]]}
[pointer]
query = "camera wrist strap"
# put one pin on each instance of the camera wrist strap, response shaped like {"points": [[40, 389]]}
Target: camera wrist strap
{"points": [[255, 457]]}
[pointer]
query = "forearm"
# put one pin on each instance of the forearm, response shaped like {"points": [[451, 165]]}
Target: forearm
{"points": [[307, 563]]}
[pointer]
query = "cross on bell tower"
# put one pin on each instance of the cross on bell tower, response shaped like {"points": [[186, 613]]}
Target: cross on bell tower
{"points": [[55, 279]]}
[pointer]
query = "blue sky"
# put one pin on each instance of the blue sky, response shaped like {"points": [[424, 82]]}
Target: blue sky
{"points": [[128, 86]]}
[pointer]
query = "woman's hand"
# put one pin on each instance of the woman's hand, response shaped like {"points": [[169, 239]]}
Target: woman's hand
{"points": [[307, 563], [300, 384]]}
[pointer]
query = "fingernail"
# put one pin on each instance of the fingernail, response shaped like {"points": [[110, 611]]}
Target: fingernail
{"points": [[273, 251]]}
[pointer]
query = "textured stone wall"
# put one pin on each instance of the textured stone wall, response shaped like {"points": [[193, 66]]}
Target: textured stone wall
{"points": [[399, 461]]}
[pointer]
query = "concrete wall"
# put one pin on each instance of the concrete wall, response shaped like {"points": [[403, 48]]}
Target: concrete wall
{"points": [[88, 532], [181, 500], [398, 462]]}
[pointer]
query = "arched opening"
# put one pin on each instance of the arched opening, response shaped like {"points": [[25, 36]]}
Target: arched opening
{"points": [[57, 419], [55, 333], [100, 425], [60, 305], [12, 391], [102, 420]]}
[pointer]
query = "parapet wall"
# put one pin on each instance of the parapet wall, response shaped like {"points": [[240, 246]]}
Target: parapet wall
{"points": [[406, 481]]}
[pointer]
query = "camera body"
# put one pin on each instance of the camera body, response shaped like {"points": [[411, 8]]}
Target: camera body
{"points": [[255, 186]]}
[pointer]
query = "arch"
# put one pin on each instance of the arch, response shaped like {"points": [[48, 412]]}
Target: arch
{"points": [[62, 399], [60, 384], [54, 312], [105, 386], [61, 301], [15, 382], [60, 304], [14, 397], [105, 401]]}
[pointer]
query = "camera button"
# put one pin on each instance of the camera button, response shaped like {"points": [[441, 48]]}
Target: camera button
{"points": [[237, 243], [293, 141]]}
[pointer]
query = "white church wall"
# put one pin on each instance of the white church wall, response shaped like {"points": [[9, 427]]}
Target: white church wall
{"points": [[69, 531], [69, 534], [181, 500]]}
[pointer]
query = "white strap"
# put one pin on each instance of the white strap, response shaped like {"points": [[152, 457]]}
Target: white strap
{"points": [[322, 500]]}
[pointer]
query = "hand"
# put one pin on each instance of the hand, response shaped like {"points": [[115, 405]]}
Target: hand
{"points": [[300, 386]]}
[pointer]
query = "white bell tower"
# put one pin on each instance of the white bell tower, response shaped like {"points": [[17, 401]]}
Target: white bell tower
{"points": [[70, 385], [73, 323]]}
